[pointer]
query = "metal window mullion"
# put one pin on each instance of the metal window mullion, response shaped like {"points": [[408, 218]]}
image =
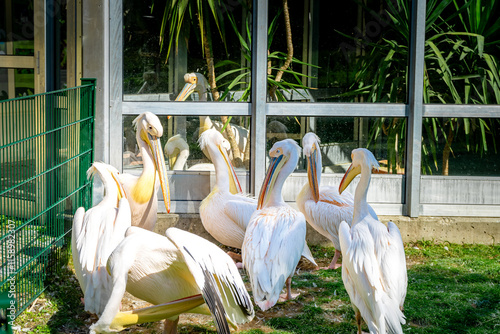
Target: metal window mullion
{"points": [[116, 83], [415, 105], [336, 109], [461, 110], [259, 94], [186, 108]]}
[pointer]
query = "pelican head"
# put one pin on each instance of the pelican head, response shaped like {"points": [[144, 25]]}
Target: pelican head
{"points": [[361, 158], [174, 146], [213, 141], [281, 153], [310, 146], [195, 82], [108, 174], [149, 130]]}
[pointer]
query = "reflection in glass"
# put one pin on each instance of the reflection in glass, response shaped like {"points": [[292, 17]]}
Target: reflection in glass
{"points": [[17, 28], [335, 53], [16, 82], [461, 146], [180, 141], [340, 135], [214, 43], [462, 56]]}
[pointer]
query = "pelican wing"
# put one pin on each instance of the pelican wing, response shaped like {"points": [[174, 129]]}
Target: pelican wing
{"points": [[364, 280], [389, 251], [240, 210], [217, 277], [90, 262], [95, 235], [394, 265], [272, 248], [360, 274], [76, 231], [327, 214], [331, 194]]}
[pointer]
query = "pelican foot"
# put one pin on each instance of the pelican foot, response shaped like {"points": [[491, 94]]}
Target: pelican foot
{"points": [[284, 297], [336, 266]]}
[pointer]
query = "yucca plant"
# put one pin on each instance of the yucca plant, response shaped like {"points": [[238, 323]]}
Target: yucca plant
{"points": [[237, 75], [459, 69]]}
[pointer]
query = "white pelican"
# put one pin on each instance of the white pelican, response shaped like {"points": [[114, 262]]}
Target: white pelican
{"points": [[177, 151], [275, 236], [196, 82], [324, 208], [374, 264], [142, 191], [171, 272], [94, 236], [224, 212]]}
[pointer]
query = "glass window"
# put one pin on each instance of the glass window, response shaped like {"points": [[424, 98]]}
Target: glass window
{"points": [[349, 52], [16, 82], [340, 135], [462, 53], [180, 142], [461, 146], [213, 44], [18, 31]]}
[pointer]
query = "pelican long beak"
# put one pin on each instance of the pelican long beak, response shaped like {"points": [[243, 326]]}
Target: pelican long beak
{"points": [[172, 158], [312, 174], [121, 191], [348, 177], [234, 183], [186, 91], [155, 313], [272, 173], [159, 158]]}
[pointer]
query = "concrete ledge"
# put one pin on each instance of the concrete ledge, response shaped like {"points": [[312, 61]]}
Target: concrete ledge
{"points": [[461, 230]]}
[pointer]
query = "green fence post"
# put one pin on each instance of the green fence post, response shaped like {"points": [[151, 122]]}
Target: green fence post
{"points": [[87, 101], [7, 307]]}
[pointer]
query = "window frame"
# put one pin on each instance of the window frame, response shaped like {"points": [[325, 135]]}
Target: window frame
{"points": [[259, 109]]}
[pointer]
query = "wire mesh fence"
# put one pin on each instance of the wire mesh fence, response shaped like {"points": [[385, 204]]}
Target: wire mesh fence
{"points": [[46, 146]]}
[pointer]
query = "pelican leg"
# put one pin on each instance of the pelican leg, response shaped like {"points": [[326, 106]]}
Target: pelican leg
{"points": [[334, 264], [289, 295], [358, 321], [170, 326]]}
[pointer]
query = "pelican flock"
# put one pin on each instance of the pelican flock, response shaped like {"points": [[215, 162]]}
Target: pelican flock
{"points": [[115, 251]]}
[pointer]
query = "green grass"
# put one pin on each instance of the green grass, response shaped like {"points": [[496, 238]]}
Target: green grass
{"points": [[451, 289]]}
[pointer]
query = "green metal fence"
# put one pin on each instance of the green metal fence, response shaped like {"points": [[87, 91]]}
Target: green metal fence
{"points": [[46, 146]]}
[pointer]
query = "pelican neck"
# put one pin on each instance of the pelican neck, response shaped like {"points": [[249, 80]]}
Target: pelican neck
{"points": [[361, 208]]}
